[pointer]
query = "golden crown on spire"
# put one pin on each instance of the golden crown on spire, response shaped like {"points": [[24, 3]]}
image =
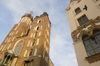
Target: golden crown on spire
{"points": [[31, 11]]}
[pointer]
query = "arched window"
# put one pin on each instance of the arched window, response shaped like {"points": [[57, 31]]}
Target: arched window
{"points": [[18, 46], [92, 45], [39, 21], [31, 52], [33, 42], [97, 41], [38, 28], [36, 34]]}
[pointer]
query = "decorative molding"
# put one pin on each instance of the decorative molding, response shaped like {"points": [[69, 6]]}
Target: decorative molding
{"points": [[86, 29], [93, 58], [69, 7], [97, 23]]}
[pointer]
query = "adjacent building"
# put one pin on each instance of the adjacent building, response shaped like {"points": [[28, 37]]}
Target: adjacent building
{"points": [[84, 21], [28, 42]]}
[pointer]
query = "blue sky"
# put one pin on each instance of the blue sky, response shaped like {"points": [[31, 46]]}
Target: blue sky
{"points": [[61, 45]]}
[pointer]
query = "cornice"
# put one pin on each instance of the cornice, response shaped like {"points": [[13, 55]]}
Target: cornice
{"points": [[86, 29]]}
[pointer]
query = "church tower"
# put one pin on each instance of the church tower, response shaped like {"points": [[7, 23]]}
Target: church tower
{"points": [[28, 43], [84, 21]]}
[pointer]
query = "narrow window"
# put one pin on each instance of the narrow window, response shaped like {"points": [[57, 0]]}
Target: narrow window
{"points": [[41, 27], [48, 25], [13, 39], [33, 43], [36, 34], [35, 52], [25, 53], [9, 46], [31, 35], [1, 47], [37, 41], [16, 27], [39, 33], [83, 20], [39, 21], [28, 43], [78, 10], [48, 33], [30, 53], [6, 40], [38, 28], [16, 32], [22, 34]]}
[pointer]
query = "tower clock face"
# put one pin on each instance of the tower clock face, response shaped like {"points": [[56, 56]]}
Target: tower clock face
{"points": [[18, 47]]}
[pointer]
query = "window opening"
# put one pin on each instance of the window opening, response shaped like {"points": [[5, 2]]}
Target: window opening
{"points": [[39, 21], [33, 43], [36, 34], [31, 52], [38, 28], [83, 20], [92, 45], [78, 10]]}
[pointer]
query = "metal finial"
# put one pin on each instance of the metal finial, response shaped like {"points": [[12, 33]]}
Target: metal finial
{"points": [[31, 11]]}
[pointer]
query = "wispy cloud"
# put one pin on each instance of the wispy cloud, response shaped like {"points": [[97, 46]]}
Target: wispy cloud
{"points": [[61, 49]]}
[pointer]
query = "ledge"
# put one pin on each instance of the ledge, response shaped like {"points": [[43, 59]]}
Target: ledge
{"points": [[93, 58]]}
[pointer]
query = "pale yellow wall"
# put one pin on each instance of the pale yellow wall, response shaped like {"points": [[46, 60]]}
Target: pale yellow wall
{"points": [[92, 12]]}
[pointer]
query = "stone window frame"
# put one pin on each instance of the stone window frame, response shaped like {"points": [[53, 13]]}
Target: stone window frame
{"points": [[17, 43], [95, 57], [77, 10], [82, 19]]}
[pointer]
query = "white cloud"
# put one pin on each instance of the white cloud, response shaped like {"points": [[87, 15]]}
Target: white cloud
{"points": [[61, 49]]}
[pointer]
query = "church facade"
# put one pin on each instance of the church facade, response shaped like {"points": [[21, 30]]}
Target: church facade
{"points": [[84, 20], [28, 42]]}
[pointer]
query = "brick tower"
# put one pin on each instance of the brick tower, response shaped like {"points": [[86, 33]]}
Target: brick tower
{"points": [[28, 43], [84, 21]]}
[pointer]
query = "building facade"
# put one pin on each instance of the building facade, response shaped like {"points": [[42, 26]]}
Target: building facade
{"points": [[28, 43], [84, 20]]}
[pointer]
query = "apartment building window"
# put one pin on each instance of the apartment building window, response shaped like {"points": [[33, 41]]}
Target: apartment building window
{"points": [[77, 10], [83, 20], [92, 45]]}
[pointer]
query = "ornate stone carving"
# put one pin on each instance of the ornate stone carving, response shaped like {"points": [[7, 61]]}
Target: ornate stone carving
{"points": [[86, 29], [93, 58]]}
